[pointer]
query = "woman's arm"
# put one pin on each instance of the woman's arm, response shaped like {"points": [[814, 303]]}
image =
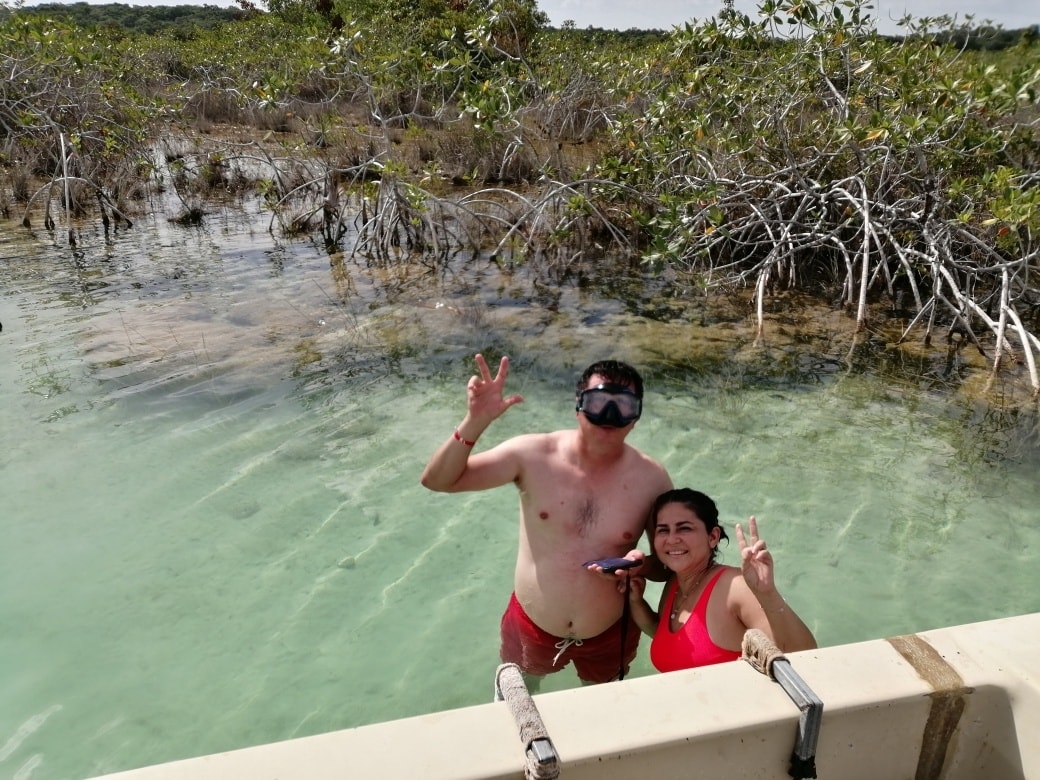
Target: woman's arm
{"points": [[644, 616], [780, 623], [759, 603]]}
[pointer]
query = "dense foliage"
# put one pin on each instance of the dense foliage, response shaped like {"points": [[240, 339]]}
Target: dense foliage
{"points": [[134, 18], [799, 149]]}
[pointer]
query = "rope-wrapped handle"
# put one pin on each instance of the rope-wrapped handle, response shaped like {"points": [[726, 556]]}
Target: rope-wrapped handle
{"points": [[542, 761], [760, 651]]}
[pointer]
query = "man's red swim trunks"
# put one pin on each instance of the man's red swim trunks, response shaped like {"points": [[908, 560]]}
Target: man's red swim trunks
{"points": [[596, 659]]}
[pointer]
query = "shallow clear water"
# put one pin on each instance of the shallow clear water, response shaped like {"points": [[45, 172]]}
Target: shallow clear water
{"points": [[213, 531]]}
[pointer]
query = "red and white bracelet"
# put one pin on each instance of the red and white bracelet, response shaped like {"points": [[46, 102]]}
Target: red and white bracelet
{"points": [[458, 438]]}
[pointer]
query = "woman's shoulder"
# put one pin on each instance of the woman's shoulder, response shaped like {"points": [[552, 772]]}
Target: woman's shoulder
{"points": [[731, 587], [726, 576]]}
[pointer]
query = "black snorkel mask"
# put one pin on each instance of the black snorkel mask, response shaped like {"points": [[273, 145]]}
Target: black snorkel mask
{"points": [[610, 406]]}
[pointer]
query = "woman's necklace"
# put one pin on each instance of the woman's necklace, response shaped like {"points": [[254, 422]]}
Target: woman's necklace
{"points": [[677, 604]]}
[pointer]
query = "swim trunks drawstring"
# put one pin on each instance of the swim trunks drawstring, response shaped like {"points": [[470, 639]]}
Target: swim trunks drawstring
{"points": [[562, 646]]}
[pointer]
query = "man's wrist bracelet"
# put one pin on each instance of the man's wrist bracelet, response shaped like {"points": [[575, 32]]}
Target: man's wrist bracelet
{"points": [[458, 438]]}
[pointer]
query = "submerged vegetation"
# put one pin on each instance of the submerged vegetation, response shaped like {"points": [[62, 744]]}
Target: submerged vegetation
{"points": [[796, 150]]}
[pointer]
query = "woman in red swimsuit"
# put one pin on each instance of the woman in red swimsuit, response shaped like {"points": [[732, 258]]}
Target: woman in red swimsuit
{"points": [[705, 606]]}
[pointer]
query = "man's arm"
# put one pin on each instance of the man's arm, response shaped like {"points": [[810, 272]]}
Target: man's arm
{"points": [[453, 468], [653, 569]]}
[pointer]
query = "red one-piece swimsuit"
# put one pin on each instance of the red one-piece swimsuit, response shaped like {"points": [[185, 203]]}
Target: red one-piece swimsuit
{"points": [[691, 645]]}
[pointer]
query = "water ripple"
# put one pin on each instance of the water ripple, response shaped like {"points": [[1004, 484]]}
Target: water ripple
{"points": [[26, 730]]}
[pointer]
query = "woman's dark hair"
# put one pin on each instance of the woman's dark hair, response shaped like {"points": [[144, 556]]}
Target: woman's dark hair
{"points": [[698, 503], [615, 372]]}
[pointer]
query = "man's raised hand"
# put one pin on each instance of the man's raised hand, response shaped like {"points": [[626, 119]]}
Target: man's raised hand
{"points": [[484, 396]]}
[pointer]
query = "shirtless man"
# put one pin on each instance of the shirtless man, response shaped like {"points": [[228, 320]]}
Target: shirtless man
{"points": [[584, 494]]}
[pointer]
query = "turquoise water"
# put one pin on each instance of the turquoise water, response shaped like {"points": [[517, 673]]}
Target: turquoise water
{"points": [[214, 534]]}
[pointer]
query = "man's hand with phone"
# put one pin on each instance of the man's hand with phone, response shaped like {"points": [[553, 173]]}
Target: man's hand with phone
{"points": [[611, 565]]}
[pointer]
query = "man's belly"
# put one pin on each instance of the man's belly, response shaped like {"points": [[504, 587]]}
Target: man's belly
{"points": [[580, 613]]}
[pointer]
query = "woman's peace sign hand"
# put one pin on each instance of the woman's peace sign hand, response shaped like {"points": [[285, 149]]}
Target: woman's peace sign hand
{"points": [[756, 562]]}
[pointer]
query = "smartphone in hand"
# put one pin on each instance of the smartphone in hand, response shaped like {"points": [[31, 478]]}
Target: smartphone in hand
{"points": [[611, 565]]}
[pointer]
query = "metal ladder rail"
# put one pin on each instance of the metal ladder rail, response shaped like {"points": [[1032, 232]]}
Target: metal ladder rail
{"points": [[761, 652]]}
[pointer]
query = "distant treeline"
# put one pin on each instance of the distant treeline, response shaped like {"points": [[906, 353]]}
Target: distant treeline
{"points": [[153, 19], [135, 18], [990, 38], [174, 18]]}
